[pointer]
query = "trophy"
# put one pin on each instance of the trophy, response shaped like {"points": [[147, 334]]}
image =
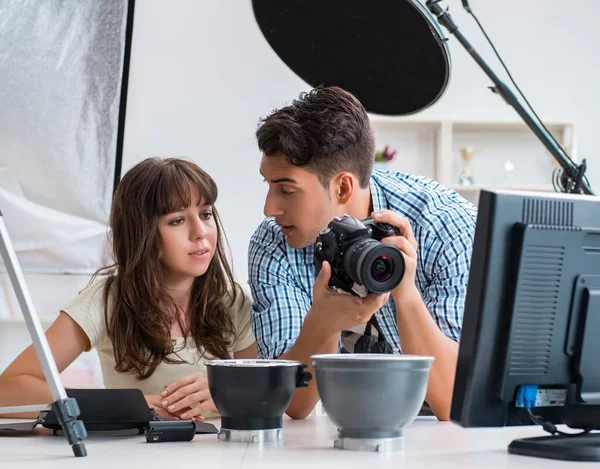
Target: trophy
{"points": [[465, 178]]}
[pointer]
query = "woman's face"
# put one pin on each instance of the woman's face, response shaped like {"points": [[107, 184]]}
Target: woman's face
{"points": [[188, 241]]}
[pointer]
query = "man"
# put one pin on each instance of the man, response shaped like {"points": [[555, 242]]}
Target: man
{"points": [[318, 156]]}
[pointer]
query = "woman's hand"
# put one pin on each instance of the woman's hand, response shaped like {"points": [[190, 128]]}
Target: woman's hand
{"points": [[155, 403], [188, 397]]}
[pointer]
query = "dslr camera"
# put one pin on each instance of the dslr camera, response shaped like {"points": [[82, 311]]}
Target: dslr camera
{"points": [[360, 263]]}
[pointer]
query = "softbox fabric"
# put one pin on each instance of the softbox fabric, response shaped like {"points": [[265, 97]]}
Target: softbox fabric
{"points": [[68, 244], [60, 87]]}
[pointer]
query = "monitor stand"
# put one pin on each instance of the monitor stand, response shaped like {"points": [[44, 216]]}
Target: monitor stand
{"points": [[566, 448]]}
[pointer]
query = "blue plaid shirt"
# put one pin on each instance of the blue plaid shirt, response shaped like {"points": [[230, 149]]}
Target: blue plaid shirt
{"points": [[281, 278]]}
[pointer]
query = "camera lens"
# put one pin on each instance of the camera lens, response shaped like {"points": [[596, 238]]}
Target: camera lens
{"points": [[377, 266], [382, 269]]}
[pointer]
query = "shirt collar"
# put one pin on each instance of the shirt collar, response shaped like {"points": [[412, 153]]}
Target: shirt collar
{"points": [[377, 195]]}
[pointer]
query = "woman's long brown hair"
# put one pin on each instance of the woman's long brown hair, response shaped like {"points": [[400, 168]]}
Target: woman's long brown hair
{"points": [[140, 323]]}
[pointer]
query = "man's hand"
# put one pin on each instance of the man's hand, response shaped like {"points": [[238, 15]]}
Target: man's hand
{"points": [[340, 311], [330, 314], [188, 397], [419, 333], [406, 242]]}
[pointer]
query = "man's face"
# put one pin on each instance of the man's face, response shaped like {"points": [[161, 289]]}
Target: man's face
{"points": [[297, 200]]}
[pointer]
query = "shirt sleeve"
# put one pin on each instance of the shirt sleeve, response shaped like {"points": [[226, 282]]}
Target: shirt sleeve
{"points": [[279, 303], [446, 293], [240, 316], [87, 310]]}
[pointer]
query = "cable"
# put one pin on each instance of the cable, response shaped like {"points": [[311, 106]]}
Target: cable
{"points": [[558, 182], [527, 396], [551, 428], [470, 11]]}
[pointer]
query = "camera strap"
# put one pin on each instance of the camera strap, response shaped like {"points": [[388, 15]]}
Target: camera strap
{"points": [[382, 345], [366, 343]]}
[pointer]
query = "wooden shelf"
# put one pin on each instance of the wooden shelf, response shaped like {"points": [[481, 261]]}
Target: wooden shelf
{"points": [[432, 148], [466, 126], [507, 126]]}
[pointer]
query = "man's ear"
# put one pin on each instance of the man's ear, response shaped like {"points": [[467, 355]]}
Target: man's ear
{"points": [[343, 186]]}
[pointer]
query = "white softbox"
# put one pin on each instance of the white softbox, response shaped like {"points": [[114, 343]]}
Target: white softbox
{"points": [[63, 70]]}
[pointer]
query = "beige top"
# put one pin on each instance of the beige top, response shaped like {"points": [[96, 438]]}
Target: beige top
{"points": [[87, 310]]}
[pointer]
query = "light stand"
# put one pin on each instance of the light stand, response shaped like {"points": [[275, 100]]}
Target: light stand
{"points": [[572, 180], [66, 408]]}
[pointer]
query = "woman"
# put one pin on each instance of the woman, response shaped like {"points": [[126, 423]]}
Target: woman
{"points": [[169, 303]]}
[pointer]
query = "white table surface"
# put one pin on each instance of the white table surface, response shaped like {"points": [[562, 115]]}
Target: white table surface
{"points": [[306, 444]]}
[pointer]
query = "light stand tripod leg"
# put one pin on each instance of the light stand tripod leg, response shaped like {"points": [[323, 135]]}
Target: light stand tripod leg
{"points": [[66, 408]]}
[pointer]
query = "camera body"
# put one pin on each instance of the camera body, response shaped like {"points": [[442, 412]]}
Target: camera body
{"points": [[360, 263]]}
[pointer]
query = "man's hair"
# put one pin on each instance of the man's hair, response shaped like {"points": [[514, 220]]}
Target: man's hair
{"points": [[326, 130]]}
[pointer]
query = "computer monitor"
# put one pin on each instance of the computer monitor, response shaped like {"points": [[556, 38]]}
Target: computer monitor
{"points": [[530, 340]]}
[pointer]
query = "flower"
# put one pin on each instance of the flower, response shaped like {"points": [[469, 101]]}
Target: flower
{"points": [[385, 155]]}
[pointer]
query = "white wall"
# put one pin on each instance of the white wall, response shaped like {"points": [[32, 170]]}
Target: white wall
{"points": [[201, 75]]}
